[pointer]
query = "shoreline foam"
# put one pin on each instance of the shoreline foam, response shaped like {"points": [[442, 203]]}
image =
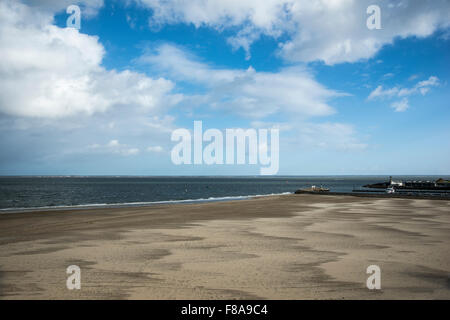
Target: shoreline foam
{"points": [[135, 204]]}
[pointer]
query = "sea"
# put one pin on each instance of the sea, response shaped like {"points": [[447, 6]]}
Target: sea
{"points": [[45, 192]]}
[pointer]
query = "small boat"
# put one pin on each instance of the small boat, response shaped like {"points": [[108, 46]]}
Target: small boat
{"points": [[390, 190]]}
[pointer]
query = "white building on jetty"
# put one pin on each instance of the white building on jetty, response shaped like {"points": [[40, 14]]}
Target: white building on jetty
{"points": [[395, 183]]}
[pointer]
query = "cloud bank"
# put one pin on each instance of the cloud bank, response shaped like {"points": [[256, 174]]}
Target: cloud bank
{"points": [[332, 31], [52, 72], [248, 93]]}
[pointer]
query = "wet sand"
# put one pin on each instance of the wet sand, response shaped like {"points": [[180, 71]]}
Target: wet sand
{"points": [[279, 247]]}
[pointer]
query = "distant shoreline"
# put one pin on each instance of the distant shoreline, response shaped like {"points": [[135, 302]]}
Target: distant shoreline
{"points": [[135, 204], [380, 195]]}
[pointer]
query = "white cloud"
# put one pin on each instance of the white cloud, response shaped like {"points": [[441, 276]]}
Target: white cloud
{"points": [[329, 135], [336, 32], [379, 93], [333, 31], [131, 21], [421, 87], [274, 125], [431, 82], [253, 17], [113, 144], [155, 149], [89, 8], [400, 106], [246, 92], [114, 147], [52, 72]]}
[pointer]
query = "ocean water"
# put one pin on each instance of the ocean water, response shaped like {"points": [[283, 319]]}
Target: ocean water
{"points": [[38, 192]]}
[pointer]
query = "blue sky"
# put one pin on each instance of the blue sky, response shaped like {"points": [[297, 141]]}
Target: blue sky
{"points": [[104, 99]]}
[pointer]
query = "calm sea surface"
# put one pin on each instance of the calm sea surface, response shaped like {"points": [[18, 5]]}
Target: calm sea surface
{"points": [[35, 192]]}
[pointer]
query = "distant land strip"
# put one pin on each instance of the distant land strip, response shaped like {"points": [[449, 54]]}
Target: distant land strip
{"points": [[364, 194]]}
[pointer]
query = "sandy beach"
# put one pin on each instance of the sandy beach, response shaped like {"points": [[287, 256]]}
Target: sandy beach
{"points": [[277, 247]]}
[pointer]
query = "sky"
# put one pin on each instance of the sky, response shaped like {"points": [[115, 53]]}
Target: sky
{"points": [[104, 99]]}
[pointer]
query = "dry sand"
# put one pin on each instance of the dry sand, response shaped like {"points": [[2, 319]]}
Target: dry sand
{"points": [[280, 247]]}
